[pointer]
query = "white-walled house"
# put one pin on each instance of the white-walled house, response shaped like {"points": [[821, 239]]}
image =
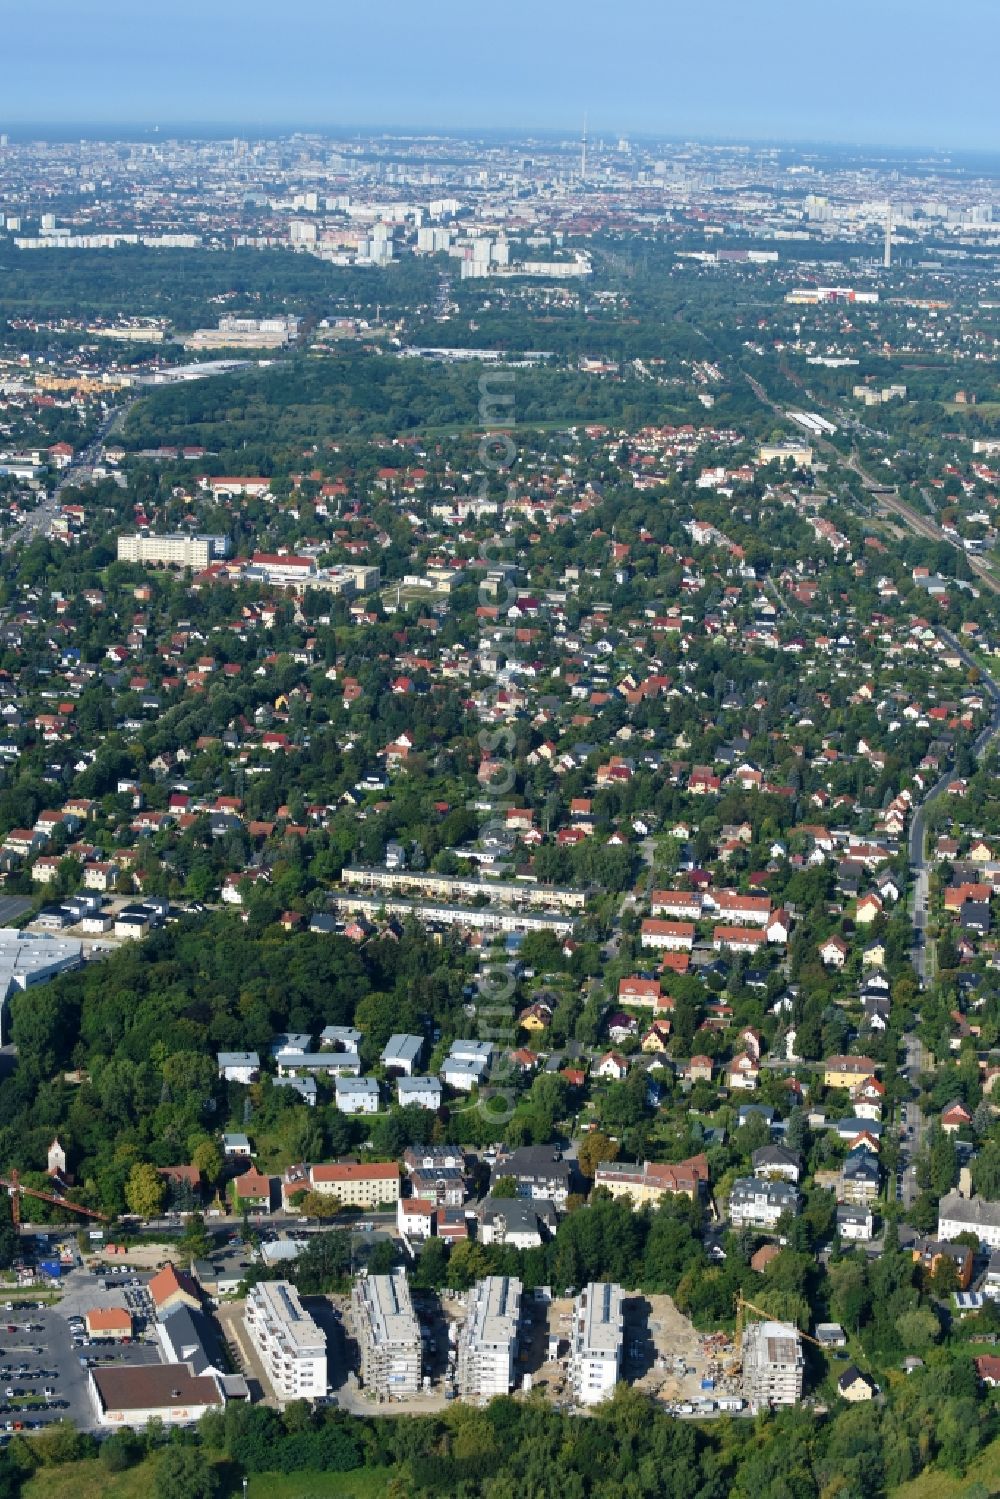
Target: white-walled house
{"points": [[357, 1095]]}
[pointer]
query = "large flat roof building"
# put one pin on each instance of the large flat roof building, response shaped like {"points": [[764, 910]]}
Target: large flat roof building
{"points": [[596, 1345], [27, 959], [388, 1335], [179, 550], [772, 1364], [487, 1345], [292, 1347]]}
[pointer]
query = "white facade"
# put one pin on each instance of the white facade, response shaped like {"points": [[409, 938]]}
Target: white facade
{"points": [[440, 913], [598, 1333], [402, 1053], [357, 1095], [172, 551], [488, 1342], [292, 1347], [170, 1393], [238, 1066], [27, 959], [958, 1214], [425, 1092], [455, 888]]}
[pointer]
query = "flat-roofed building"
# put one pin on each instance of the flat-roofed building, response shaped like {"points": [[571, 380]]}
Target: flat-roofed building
{"points": [[457, 888], [596, 1345], [291, 1345], [487, 1345], [178, 550], [388, 1335], [772, 1364]]}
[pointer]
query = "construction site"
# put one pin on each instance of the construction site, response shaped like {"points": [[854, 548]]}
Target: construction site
{"points": [[657, 1350], [663, 1354]]}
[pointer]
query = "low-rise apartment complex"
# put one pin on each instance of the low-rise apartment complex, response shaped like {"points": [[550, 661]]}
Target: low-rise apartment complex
{"points": [[487, 1346], [357, 1186], [598, 1332], [388, 1335], [292, 1347]]}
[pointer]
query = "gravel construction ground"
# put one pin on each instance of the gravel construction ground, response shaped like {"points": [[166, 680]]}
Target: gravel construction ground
{"points": [[664, 1353]]}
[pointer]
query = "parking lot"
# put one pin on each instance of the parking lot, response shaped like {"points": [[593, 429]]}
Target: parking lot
{"points": [[45, 1351], [38, 1356]]}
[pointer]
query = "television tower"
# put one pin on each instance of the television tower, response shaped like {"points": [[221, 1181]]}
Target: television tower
{"points": [[583, 152], [887, 257]]}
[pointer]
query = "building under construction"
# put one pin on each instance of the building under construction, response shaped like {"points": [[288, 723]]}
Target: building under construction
{"points": [[772, 1364], [488, 1344], [388, 1335]]}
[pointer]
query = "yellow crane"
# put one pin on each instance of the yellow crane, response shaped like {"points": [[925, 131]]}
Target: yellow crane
{"points": [[743, 1305]]}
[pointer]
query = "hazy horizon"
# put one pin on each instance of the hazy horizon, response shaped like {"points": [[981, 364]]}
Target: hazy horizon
{"points": [[864, 76]]}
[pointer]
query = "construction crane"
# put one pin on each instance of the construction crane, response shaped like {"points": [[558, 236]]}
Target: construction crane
{"points": [[16, 1190], [742, 1304]]}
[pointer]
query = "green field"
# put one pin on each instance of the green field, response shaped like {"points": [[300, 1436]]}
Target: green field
{"points": [[984, 408], [364, 1484], [90, 1480]]}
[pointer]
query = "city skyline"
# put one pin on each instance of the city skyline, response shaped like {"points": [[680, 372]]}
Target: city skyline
{"points": [[742, 73]]}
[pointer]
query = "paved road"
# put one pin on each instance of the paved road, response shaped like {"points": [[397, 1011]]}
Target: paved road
{"points": [[11, 907], [917, 1060], [918, 832], [37, 523]]}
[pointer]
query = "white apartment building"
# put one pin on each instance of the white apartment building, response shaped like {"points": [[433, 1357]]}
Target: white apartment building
{"points": [[238, 1066], [388, 1335], [291, 1346], [491, 918], [958, 1214], [487, 1345], [424, 1092], [596, 1346], [455, 888], [356, 1095], [177, 550], [401, 1054], [772, 1364]]}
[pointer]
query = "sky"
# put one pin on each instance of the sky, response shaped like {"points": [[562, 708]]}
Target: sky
{"points": [[892, 72]]}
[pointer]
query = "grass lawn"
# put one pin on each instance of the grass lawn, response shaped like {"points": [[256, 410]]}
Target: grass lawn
{"points": [[90, 1480], [364, 1484], [985, 408], [938, 1485]]}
